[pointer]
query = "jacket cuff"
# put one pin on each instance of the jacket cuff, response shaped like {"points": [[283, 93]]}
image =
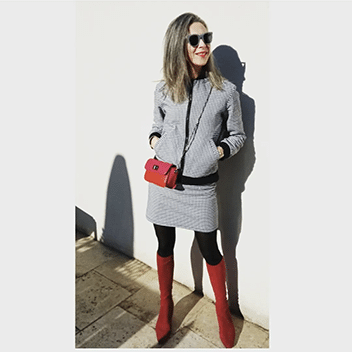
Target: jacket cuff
{"points": [[156, 134], [226, 149]]}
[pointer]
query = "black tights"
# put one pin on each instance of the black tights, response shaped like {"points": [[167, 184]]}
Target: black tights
{"points": [[206, 241]]}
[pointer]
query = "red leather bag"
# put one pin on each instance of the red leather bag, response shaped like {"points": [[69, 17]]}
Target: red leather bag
{"points": [[160, 173]]}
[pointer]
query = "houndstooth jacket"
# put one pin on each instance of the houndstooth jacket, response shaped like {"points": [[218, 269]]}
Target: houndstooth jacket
{"points": [[220, 124]]}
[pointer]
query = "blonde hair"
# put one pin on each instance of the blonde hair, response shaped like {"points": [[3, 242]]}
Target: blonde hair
{"points": [[177, 69]]}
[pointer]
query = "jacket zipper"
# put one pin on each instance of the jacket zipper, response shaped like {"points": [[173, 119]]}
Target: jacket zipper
{"points": [[187, 125]]}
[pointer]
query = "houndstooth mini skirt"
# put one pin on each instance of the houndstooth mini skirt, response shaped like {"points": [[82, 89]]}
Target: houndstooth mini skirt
{"points": [[192, 208]]}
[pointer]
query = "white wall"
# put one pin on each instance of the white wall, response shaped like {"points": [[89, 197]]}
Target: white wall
{"points": [[119, 60]]}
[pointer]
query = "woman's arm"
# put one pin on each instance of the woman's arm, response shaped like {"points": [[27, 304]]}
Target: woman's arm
{"points": [[158, 122], [234, 142]]}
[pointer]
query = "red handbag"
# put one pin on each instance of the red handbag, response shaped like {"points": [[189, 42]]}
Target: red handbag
{"points": [[160, 173]]}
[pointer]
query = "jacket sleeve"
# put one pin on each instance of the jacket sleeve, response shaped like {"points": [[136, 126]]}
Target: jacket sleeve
{"points": [[158, 122], [236, 136]]}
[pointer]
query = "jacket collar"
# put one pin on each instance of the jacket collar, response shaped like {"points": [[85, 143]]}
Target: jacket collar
{"points": [[201, 75]]}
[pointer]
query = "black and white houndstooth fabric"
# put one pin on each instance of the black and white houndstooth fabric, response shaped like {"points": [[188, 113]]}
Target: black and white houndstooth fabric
{"points": [[194, 207]]}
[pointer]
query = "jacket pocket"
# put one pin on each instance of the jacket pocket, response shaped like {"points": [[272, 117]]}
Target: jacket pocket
{"points": [[214, 149], [159, 142], [166, 148], [202, 160], [159, 147]]}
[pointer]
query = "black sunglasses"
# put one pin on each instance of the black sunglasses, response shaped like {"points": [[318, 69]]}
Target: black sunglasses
{"points": [[194, 39]]}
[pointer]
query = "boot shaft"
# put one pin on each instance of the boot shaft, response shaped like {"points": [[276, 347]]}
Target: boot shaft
{"points": [[217, 276], [165, 267]]}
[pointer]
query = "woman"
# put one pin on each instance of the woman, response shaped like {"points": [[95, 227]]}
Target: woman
{"points": [[197, 122]]}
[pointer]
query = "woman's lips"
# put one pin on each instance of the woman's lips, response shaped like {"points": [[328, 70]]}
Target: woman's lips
{"points": [[202, 54]]}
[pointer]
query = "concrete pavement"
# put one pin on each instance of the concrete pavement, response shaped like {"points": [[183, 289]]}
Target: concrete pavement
{"points": [[117, 302]]}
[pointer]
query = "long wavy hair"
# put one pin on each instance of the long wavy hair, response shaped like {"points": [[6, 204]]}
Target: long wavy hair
{"points": [[177, 69]]}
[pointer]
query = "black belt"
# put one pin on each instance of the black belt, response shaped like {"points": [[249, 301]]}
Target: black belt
{"points": [[198, 181]]}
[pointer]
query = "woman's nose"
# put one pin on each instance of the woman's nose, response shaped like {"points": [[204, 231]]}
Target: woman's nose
{"points": [[201, 43]]}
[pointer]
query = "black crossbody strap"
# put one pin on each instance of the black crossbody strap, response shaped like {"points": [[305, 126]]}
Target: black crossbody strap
{"points": [[193, 134]]}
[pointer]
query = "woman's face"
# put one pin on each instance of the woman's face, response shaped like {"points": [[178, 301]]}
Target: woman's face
{"points": [[198, 55]]}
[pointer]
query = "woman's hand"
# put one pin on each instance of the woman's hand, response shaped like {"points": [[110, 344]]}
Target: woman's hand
{"points": [[153, 141], [221, 152]]}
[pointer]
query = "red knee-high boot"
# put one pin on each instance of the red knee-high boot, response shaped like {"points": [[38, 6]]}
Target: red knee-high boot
{"points": [[217, 275], [165, 274]]}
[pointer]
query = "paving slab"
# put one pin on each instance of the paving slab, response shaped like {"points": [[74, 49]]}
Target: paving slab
{"points": [[253, 336], [95, 296], [266, 343], [185, 338], [124, 271], [186, 303], [144, 304], [116, 329], [196, 304], [90, 254], [186, 308], [204, 323], [144, 338]]}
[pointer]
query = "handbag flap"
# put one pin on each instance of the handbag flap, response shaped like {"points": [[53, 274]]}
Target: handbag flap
{"points": [[158, 166]]}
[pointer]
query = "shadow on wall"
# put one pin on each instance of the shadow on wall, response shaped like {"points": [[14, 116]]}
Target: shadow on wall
{"points": [[85, 224], [233, 173], [118, 228]]}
